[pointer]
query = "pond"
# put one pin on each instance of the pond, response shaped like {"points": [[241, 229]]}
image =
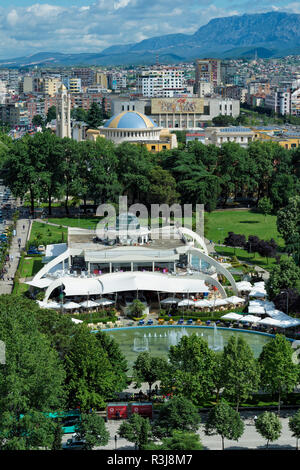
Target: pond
{"points": [[158, 339]]}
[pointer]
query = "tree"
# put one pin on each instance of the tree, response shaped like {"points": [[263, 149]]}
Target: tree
{"points": [[58, 435], [116, 358], [179, 440], [294, 425], [137, 430], [92, 431], [51, 114], [162, 187], [90, 380], [225, 421], [265, 206], [282, 276], [288, 301], [190, 372], [235, 240], [37, 120], [79, 114], [148, 369], [278, 372], [178, 413], [288, 225], [32, 378], [94, 116], [22, 170], [31, 431], [269, 426], [136, 309], [240, 370]]}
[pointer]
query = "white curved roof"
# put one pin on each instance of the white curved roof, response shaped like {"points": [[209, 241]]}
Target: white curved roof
{"points": [[129, 281]]}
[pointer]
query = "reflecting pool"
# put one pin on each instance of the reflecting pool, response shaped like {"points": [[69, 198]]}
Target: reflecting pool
{"points": [[158, 339]]}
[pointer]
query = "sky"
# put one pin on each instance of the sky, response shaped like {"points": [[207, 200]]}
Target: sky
{"points": [[75, 26]]}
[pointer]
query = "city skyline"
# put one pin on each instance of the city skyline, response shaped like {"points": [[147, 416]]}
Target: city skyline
{"points": [[91, 26]]}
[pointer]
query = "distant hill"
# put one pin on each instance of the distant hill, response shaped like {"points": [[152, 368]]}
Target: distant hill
{"points": [[273, 34]]}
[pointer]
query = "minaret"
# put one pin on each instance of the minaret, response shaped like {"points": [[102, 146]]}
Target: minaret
{"points": [[63, 113]]}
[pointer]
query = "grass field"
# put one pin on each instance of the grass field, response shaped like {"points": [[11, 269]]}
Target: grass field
{"points": [[245, 257], [244, 222], [31, 266], [85, 222], [47, 234]]}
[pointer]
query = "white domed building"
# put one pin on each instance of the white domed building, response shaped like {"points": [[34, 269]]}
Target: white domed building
{"points": [[136, 128]]}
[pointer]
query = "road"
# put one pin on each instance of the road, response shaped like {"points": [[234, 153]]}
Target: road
{"points": [[249, 440]]}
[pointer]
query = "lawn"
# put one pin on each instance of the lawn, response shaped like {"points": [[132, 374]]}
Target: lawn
{"points": [[244, 222], [31, 266], [244, 257], [82, 222], [47, 234]]}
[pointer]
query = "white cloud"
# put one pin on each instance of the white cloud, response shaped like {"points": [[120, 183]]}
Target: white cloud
{"points": [[44, 10], [12, 18], [93, 27]]}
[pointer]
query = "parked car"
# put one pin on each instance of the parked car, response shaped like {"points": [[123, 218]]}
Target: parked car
{"points": [[33, 251], [73, 444]]}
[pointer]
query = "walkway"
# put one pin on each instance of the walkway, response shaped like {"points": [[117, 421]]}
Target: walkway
{"points": [[6, 286]]}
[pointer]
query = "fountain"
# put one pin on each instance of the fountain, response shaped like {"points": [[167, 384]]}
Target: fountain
{"points": [[215, 342], [140, 345]]}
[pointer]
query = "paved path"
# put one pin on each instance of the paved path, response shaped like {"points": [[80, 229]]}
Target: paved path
{"points": [[6, 286], [249, 440]]}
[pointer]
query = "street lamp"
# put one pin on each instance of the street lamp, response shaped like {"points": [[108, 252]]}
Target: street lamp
{"points": [[287, 300]]}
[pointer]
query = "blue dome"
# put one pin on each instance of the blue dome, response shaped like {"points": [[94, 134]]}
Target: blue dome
{"points": [[130, 120]]}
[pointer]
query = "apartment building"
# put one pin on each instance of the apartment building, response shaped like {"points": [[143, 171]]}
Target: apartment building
{"points": [[207, 70], [165, 83]]}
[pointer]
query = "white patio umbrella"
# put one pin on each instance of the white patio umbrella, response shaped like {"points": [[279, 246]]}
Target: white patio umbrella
{"points": [[232, 316], [170, 300], [89, 304], [71, 305], [219, 302], [75, 320], [51, 305], [250, 319], [104, 302], [257, 293], [203, 303], [235, 300], [186, 302]]}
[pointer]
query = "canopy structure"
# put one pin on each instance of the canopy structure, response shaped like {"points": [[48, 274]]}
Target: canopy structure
{"points": [[104, 302], [257, 309], [235, 300], [232, 316], [89, 304], [244, 286], [258, 294], [40, 283], [203, 303], [250, 319], [186, 302], [51, 305], [170, 300], [71, 305], [76, 320], [219, 302], [126, 282]]}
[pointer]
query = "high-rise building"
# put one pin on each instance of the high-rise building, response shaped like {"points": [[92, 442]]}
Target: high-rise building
{"points": [[207, 70], [165, 82]]}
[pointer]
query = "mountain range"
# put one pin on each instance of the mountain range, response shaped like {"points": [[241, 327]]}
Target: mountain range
{"points": [[272, 34]]}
